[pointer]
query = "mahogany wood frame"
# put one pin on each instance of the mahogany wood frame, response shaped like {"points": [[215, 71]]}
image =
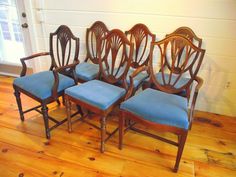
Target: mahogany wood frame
{"points": [[64, 37], [179, 43], [94, 35], [114, 41]]}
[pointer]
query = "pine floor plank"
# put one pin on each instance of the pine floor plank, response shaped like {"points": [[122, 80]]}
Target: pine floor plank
{"points": [[209, 152]]}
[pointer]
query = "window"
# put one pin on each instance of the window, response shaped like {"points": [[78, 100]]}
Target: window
{"points": [[10, 28], [5, 30], [17, 32]]}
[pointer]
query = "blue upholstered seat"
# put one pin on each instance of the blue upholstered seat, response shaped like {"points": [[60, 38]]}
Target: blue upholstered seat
{"points": [[40, 84], [159, 107], [182, 81], [138, 79], [97, 93], [87, 71]]}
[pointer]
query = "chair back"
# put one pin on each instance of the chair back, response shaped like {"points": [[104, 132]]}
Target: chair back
{"points": [[64, 47], [115, 61], [169, 52], [94, 35], [141, 37], [188, 33]]}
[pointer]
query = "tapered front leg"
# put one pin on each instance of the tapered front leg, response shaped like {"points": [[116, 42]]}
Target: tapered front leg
{"points": [[182, 140], [45, 118], [121, 129], [103, 133], [18, 100]]}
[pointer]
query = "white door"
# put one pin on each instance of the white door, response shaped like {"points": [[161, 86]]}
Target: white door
{"points": [[14, 36]]}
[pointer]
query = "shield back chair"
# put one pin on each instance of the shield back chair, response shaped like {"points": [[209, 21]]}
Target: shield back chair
{"points": [[141, 37], [88, 70], [162, 109], [102, 96], [188, 33], [47, 86]]}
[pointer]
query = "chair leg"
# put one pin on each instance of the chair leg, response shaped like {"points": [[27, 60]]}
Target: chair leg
{"points": [[58, 102], [103, 133], [45, 118], [190, 126], [80, 110], [68, 112], [63, 100], [182, 140], [121, 130], [18, 100]]}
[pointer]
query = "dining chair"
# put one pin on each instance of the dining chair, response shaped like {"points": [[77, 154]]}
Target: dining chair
{"points": [[188, 33], [162, 109], [141, 37], [102, 96], [47, 86], [88, 70]]}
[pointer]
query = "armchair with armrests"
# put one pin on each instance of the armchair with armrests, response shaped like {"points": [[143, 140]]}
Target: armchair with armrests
{"points": [[47, 86], [162, 109]]}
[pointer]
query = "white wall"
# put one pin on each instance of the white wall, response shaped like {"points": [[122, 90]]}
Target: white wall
{"points": [[212, 20]]}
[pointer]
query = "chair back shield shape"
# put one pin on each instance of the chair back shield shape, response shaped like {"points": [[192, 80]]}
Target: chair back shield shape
{"points": [[188, 33], [64, 47], [94, 36], [179, 58], [141, 37], [115, 61]]}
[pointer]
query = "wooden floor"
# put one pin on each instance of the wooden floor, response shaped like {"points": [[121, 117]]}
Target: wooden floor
{"points": [[210, 150]]}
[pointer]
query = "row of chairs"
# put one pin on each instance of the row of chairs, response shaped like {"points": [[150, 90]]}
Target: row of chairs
{"points": [[116, 65]]}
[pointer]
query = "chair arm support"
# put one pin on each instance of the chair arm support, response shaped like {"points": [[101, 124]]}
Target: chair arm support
{"points": [[24, 66], [56, 76], [131, 77], [199, 83], [195, 95]]}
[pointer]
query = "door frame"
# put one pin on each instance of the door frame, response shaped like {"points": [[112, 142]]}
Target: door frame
{"points": [[29, 34]]}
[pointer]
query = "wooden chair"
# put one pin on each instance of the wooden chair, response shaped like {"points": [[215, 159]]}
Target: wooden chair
{"points": [[141, 37], [102, 96], [162, 109], [88, 70], [188, 33], [47, 86]]}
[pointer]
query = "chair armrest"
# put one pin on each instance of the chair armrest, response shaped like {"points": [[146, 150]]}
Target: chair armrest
{"points": [[56, 76], [199, 81], [131, 77], [24, 66]]}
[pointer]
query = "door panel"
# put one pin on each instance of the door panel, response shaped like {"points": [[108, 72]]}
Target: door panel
{"points": [[14, 36]]}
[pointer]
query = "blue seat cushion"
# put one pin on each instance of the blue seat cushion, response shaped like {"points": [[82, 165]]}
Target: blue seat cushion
{"points": [[159, 107], [86, 71], [97, 93], [137, 79], [40, 84], [182, 81]]}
